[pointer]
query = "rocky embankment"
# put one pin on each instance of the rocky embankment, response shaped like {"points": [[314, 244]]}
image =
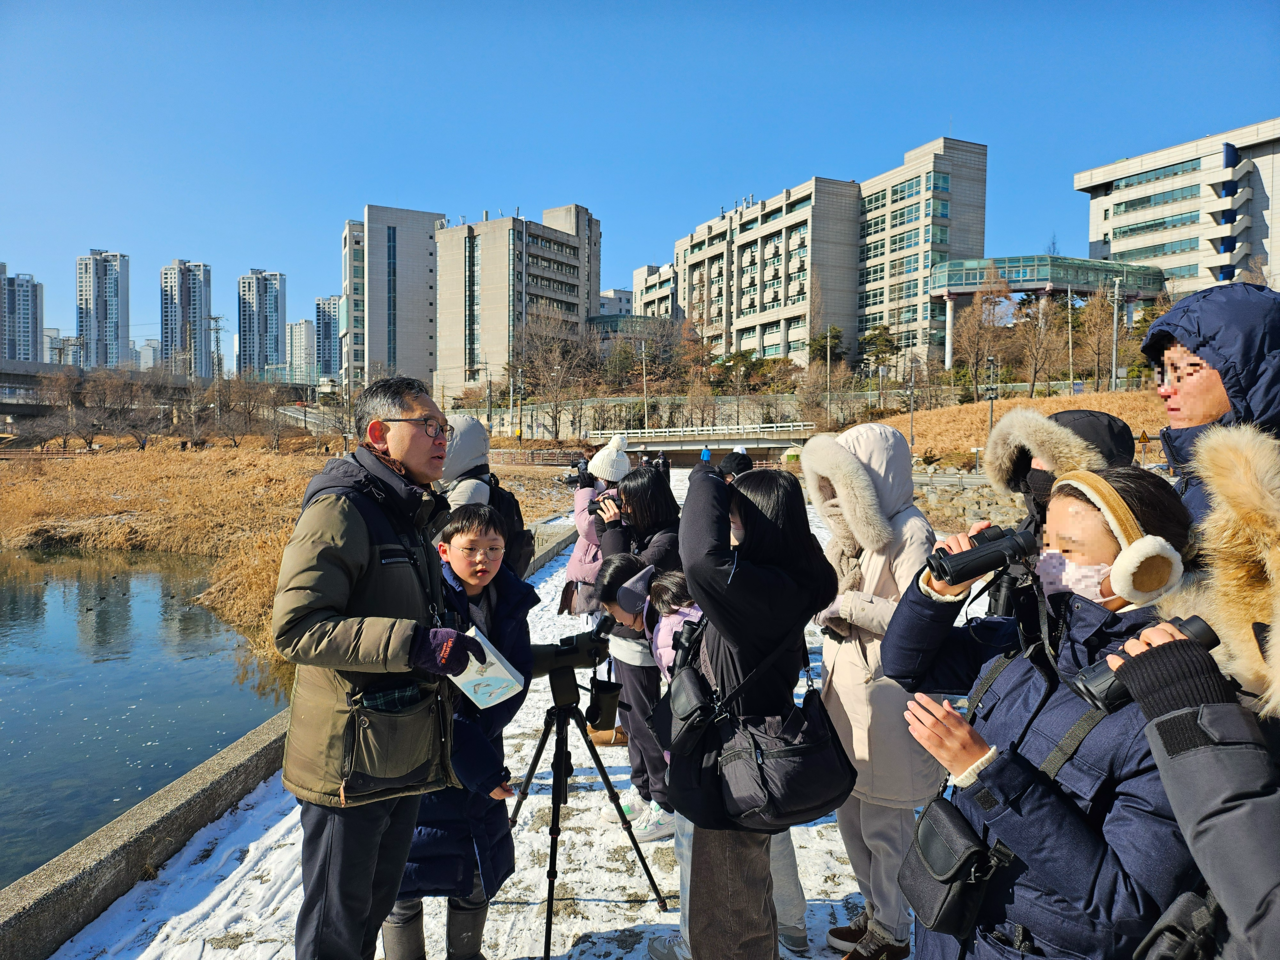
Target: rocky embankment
{"points": [[952, 507]]}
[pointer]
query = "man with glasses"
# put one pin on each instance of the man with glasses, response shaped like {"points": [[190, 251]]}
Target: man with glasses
{"points": [[358, 609], [1217, 360]]}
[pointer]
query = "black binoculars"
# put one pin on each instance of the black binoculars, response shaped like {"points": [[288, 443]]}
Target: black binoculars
{"points": [[994, 549], [1098, 685]]}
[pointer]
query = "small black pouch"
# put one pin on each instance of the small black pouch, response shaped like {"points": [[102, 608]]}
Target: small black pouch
{"points": [[945, 872]]}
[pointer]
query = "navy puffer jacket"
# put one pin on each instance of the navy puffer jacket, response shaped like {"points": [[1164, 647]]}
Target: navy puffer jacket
{"points": [[1098, 854], [459, 828], [1236, 330]]}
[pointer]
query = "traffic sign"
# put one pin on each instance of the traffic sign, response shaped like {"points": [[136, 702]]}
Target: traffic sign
{"points": [[1144, 438]]}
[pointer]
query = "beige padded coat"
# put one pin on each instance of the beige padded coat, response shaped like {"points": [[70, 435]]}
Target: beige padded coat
{"points": [[861, 483]]}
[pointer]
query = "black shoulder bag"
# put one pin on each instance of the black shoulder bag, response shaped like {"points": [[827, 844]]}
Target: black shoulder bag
{"points": [[945, 873]]}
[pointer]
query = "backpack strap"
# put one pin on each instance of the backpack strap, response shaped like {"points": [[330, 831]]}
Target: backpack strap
{"points": [[998, 666], [767, 662], [1066, 748]]}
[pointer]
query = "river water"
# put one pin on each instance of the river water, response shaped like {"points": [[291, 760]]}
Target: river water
{"points": [[112, 685]]}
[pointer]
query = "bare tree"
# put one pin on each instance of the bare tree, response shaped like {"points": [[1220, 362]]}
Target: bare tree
{"points": [[553, 357], [1258, 271], [244, 399], [1094, 337], [975, 325], [1038, 335]]}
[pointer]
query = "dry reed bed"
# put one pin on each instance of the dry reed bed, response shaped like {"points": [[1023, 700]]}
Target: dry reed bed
{"points": [[235, 505], [952, 432]]}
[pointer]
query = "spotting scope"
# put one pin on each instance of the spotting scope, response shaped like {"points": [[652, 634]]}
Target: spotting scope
{"points": [[584, 651]]}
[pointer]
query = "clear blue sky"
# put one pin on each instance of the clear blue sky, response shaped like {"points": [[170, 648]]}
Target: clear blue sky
{"points": [[243, 135]]}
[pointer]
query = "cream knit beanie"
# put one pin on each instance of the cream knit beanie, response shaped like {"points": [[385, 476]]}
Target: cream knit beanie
{"points": [[611, 461]]}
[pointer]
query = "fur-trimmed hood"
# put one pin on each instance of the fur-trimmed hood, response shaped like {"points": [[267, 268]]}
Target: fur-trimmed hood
{"points": [[1070, 440], [1240, 546], [859, 481]]}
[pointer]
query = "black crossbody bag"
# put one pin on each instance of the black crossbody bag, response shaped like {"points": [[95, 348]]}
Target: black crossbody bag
{"points": [[945, 873], [775, 772]]}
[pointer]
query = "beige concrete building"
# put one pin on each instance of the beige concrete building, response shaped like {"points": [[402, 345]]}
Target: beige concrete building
{"points": [[1200, 211], [387, 314], [497, 275], [931, 209], [656, 292], [613, 302], [770, 274]]}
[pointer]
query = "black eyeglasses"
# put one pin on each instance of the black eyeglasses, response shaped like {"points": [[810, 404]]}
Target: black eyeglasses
{"points": [[430, 426]]}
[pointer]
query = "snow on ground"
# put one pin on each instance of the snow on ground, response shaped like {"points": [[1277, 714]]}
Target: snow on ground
{"points": [[234, 890]]}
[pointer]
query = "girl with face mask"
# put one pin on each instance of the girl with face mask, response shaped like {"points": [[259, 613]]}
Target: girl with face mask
{"points": [[1091, 853]]}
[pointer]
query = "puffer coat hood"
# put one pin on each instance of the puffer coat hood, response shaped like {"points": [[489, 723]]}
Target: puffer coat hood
{"points": [[1236, 330], [859, 481], [1069, 440], [467, 450], [1239, 594]]}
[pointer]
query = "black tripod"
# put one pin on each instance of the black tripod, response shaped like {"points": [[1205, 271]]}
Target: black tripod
{"points": [[564, 692]]}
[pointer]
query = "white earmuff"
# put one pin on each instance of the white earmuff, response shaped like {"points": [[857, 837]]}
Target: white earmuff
{"points": [[1146, 570]]}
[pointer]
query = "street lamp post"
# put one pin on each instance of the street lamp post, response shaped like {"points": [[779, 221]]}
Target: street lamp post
{"points": [[991, 394]]}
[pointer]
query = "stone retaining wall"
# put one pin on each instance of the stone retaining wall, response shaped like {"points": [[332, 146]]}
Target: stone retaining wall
{"points": [[952, 509]]}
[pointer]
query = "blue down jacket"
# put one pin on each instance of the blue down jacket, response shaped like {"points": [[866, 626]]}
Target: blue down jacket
{"points": [[458, 829], [1236, 330], [1098, 854]]}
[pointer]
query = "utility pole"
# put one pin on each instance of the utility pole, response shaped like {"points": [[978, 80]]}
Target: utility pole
{"points": [[913, 402], [828, 376], [1071, 356], [488, 396], [644, 378], [991, 394], [520, 408], [1115, 334]]}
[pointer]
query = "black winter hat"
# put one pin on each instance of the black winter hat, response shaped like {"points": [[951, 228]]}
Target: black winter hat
{"points": [[736, 463]]}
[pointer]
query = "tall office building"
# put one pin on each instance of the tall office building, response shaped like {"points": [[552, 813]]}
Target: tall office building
{"points": [[21, 316], [497, 275], [387, 315], [300, 350], [768, 275], [327, 357], [260, 325], [1200, 211], [186, 310], [614, 303], [102, 308]]}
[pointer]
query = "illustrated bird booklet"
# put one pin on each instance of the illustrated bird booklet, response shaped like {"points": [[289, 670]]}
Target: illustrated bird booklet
{"points": [[491, 682]]}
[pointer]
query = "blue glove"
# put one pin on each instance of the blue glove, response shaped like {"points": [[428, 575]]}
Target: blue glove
{"points": [[442, 651]]}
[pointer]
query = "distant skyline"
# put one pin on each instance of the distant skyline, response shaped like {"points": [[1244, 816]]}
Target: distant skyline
{"points": [[168, 134]]}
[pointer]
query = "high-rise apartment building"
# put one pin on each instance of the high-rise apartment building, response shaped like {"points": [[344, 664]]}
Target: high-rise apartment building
{"points": [[1200, 211], [770, 274], [389, 280], [21, 316], [497, 276], [300, 350], [102, 308], [186, 311], [614, 303], [327, 358], [260, 324]]}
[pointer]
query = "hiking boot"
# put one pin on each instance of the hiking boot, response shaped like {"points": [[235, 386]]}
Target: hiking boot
{"points": [[795, 940], [845, 939], [657, 824], [873, 946], [616, 737], [669, 948], [633, 805]]}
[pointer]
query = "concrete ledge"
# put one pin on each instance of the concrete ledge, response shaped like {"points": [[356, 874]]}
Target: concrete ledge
{"points": [[48, 906], [549, 539]]}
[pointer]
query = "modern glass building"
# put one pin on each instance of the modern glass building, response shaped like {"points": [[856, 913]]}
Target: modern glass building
{"points": [[1047, 274]]}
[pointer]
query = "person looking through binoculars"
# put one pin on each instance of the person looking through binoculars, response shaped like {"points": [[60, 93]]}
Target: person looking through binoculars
{"points": [[1080, 843]]}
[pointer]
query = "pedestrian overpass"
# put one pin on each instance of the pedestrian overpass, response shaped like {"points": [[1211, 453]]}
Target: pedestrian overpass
{"points": [[683, 444]]}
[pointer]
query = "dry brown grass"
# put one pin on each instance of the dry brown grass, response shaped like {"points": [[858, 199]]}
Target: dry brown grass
{"points": [[950, 433], [237, 506]]}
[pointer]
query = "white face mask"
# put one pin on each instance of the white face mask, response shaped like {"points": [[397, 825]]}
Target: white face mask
{"points": [[1060, 575]]}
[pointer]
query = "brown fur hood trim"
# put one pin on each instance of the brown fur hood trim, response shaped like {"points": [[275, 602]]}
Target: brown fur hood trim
{"points": [[1024, 429], [1240, 545], [843, 491]]}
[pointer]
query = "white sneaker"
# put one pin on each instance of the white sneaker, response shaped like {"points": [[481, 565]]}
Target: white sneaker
{"points": [[633, 805], [669, 948], [657, 824]]}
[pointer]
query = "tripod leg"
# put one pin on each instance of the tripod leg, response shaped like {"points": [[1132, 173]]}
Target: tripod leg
{"points": [[533, 767], [617, 805], [559, 790]]}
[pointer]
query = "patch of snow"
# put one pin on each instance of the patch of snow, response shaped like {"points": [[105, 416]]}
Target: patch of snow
{"points": [[235, 888]]}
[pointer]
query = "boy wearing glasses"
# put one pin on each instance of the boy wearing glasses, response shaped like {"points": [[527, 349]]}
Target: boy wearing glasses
{"points": [[1217, 360], [462, 848]]}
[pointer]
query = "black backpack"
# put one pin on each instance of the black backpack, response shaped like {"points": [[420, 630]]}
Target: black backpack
{"points": [[519, 539]]}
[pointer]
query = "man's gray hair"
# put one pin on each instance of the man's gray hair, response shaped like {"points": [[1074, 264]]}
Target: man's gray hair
{"points": [[388, 398]]}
